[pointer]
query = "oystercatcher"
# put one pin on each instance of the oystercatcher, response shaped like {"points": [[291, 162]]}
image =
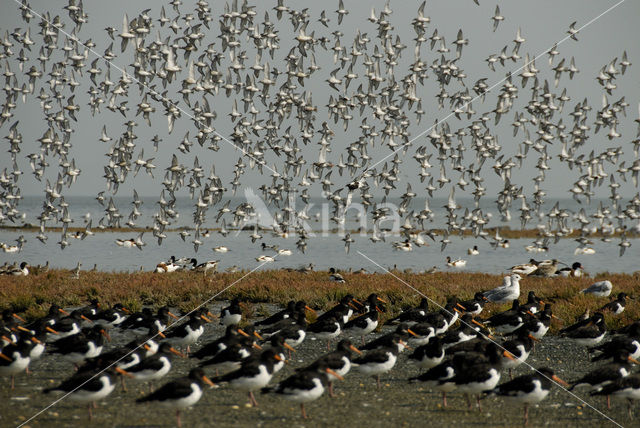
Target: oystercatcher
{"points": [[181, 393], [79, 347], [617, 306], [254, 374], [380, 360], [232, 314], [328, 328], [304, 386], [626, 387], [15, 358], [88, 386], [338, 361], [528, 389], [598, 378], [430, 354], [475, 305]]}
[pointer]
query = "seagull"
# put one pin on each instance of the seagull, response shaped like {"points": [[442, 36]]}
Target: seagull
{"points": [[507, 292], [599, 289]]}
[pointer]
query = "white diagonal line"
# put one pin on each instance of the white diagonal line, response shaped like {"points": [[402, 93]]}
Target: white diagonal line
{"points": [[510, 73], [141, 345], [489, 339]]}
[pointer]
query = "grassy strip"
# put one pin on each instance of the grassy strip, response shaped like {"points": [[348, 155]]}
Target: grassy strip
{"points": [[33, 294], [505, 232]]}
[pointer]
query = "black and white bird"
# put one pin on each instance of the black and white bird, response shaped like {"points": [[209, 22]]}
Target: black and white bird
{"points": [[15, 358], [79, 347], [334, 276], [155, 366], [429, 355], [304, 386], [528, 389], [232, 314], [380, 360], [626, 387], [603, 375], [180, 393], [326, 329], [339, 361], [476, 305], [88, 386], [617, 306], [254, 374], [589, 332]]}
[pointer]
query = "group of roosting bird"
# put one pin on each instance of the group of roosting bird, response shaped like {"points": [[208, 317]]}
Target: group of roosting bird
{"points": [[467, 358]]}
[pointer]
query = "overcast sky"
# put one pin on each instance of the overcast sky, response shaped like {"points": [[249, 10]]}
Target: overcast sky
{"points": [[542, 23]]}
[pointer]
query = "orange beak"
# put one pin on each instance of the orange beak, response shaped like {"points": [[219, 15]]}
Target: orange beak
{"points": [[105, 334], [122, 372], [208, 381], [18, 317], [256, 334], [255, 345], [242, 332], [162, 335], [35, 340], [334, 373], [476, 322], [205, 318], [86, 319], [380, 300], [411, 333], [172, 315], [178, 353], [508, 355], [560, 381], [289, 347], [278, 357], [62, 311], [50, 330], [4, 357], [354, 349], [309, 309], [21, 328], [8, 339]]}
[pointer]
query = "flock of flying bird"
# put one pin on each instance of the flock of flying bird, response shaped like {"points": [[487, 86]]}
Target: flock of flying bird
{"points": [[186, 66], [467, 358]]}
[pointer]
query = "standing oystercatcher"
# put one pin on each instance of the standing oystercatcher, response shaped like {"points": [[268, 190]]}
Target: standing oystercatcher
{"points": [[529, 389], [304, 386], [181, 393]]}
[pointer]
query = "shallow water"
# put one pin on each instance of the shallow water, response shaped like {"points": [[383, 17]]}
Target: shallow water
{"points": [[322, 251]]}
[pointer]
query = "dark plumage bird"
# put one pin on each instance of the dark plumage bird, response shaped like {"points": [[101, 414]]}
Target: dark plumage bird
{"points": [[475, 305], [518, 349], [304, 386], [232, 335], [88, 386], [156, 366], [180, 393], [588, 332], [534, 304], [507, 321], [430, 354], [528, 389], [292, 308], [617, 306], [364, 324], [537, 326], [344, 309], [111, 317], [598, 378], [232, 357], [232, 314], [79, 347], [401, 332], [412, 315], [15, 358], [254, 374], [626, 387], [327, 328], [339, 361], [629, 342], [469, 329], [380, 360]]}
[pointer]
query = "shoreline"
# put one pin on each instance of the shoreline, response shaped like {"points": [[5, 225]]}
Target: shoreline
{"points": [[505, 232]]}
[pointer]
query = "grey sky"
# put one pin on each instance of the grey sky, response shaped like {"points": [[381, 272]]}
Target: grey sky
{"points": [[542, 24]]}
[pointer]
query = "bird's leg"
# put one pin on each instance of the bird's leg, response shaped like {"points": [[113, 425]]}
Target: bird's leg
{"points": [[629, 403], [478, 401], [13, 383], [178, 418], [526, 414], [362, 340], [608, 402], [331, 394], [90, 414], [378, 381], [253, 400], [510, 374], [304, 414], [444, 399], [466, 396], [329, 345], [124, 387]]}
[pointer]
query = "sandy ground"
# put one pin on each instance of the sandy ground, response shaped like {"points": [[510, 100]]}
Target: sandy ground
{"points": [[359, 403]]}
